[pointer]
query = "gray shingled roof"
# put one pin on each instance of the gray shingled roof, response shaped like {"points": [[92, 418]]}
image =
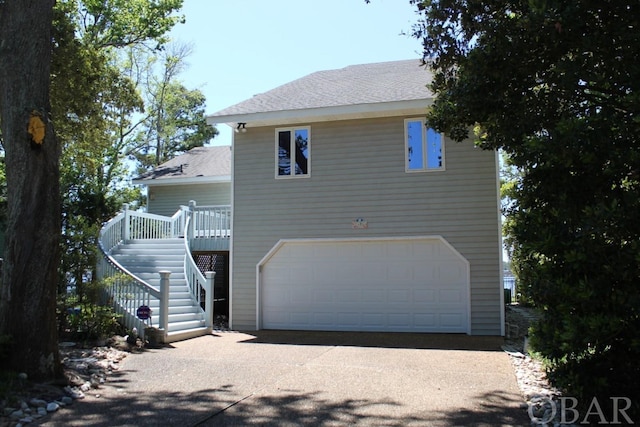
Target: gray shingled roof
{"points": [[200, 162], [382, 82]]}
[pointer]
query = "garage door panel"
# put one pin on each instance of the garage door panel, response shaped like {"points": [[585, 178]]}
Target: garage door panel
{"points": [[448, 296], [450, 273], [372, 251], [299, 296], [387, 285], [374, 296], [422, 296], [426, 321], [323, 318], [400, 320], [298, 318], [298, 273], [323, 296], [399, 296], [348, 319], [399, 272], [273, 317], [373, 320], [349, 296], [347, 274], [421, 251], [451, 320]]}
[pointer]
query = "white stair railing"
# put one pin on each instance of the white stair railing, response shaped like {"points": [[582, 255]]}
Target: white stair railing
{"points": [[112, 233], [178, 222], [142, 225], [198, 281], [126, 292]]}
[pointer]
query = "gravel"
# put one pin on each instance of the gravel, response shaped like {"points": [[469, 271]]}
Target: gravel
{"points": [[540, 397]]}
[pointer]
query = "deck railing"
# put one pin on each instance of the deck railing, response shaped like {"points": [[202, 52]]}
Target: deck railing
{"points": [[141, 225], [209, 222], [130, 224]]}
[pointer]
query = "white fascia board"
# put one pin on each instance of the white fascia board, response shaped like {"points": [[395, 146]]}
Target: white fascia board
{"points": [[324, 114], [183, 181]]}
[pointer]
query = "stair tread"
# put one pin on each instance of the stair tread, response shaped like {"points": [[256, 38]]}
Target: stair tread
{"points": [[200, 328]]}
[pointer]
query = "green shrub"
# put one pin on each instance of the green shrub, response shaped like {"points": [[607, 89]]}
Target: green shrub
{"points": [[589, 338], [89, 321], [85, 317]]}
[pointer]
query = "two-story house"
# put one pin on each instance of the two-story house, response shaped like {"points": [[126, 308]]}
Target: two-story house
{"points": [[349, 214]]}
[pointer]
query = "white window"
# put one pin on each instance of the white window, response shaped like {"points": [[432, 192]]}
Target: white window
{"points": [[424, 147], [293, 150]]}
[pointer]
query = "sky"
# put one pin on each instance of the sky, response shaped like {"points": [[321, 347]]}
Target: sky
{"points": [[241, 48]]}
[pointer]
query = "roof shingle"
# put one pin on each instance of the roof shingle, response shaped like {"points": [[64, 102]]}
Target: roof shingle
{"points": [[352, 85], [197, 162]]}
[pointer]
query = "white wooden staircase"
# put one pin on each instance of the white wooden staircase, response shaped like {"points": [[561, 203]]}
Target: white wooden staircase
{"points": [[144, 258], [146, 263]]}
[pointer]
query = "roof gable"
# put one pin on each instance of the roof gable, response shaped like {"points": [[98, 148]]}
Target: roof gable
{"points": [[357, 89]]}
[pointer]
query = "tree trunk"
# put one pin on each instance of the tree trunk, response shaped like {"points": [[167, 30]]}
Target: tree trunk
{"points": [[32, 251]]}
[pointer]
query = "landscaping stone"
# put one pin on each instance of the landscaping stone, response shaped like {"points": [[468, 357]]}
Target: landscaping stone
{"points": [[17, 414], [540, 396], [52, 407], [38, 403], [74, 392], [85, 369]]}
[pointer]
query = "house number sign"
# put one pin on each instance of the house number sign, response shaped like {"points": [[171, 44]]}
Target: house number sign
{"points": [[359, 223]]}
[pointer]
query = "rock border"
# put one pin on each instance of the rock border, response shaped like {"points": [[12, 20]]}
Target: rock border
{"points": [[540, 397], [86, 370]]}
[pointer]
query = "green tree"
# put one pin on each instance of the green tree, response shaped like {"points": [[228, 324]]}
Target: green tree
{"points": [[119, 23], [175, 120], [95, 102], [556, 85], [31, 259], [56, 67]]}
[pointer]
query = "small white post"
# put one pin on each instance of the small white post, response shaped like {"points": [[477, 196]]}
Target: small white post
{"points": [[192, 214], [163, 321], [208, 304], [125, 223]]}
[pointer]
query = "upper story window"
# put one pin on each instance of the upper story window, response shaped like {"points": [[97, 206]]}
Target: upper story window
{"points": [[424, 147], [293, 150]]}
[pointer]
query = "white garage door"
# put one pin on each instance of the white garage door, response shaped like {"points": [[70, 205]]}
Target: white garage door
{"points": [[398, 285]]}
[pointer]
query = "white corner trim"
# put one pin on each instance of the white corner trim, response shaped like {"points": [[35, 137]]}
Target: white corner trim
{"points": [[501, 246]]}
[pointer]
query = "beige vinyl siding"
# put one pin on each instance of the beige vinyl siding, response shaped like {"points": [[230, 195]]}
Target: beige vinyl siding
{"points": [[166, 200], [358, 171]]}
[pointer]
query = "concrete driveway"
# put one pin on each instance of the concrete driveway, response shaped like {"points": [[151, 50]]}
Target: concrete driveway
{"points": [[284, 378]]}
